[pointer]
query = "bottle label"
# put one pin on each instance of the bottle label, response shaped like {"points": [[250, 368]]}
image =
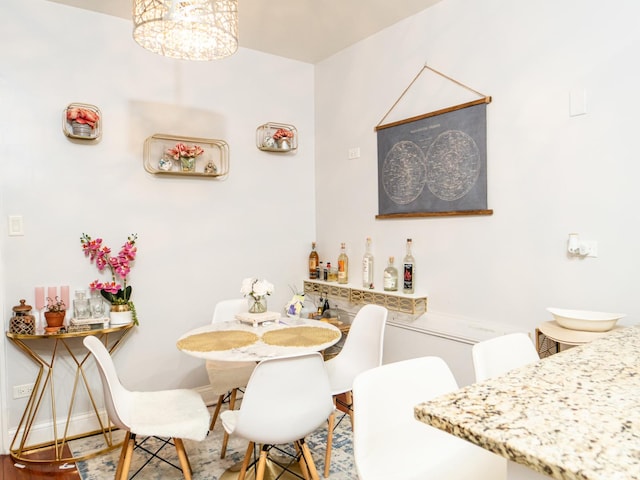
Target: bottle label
{"points": [[389, 282], [407, 282], [313, 269], [342, 273], [366, 268]]}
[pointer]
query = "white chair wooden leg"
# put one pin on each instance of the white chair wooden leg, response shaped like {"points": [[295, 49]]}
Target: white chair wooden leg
{"points": [[123, 453], [182, 457], [216, 412], [349, 398], [327, 455], [302, 462], [309, 459], [262, 463], [126, 461], [245, 462]]}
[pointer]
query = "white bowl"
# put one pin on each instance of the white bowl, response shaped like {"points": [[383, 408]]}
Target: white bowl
{"points": [[584, 320]]}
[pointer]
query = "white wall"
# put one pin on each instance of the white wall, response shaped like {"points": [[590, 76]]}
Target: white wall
{"points": [[197, 238], [549, 174]]}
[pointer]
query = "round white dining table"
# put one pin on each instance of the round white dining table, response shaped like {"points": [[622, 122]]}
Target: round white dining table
{"points": [[266, 340]]}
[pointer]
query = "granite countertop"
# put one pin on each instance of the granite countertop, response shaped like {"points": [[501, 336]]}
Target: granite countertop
{"points": [[573, 415]]}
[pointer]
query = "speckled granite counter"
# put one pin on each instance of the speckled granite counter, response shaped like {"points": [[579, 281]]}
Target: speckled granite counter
{"points": [[573, 415]]}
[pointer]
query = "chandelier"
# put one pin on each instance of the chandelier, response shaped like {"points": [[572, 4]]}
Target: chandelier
{"points": [[187, 29]]}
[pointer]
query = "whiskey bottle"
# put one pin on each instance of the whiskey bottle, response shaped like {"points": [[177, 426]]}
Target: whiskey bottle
{"points": [[367, 266], [313, 262], [390, 277], [408, 270], [343, 265]]}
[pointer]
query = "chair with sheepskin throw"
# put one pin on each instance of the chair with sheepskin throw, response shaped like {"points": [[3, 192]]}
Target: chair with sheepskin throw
{"points": [[168, 414]]}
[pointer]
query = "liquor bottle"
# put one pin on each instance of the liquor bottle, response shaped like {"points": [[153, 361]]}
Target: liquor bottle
{"points": [[408, 270], [367, 266], [320, 271], [313, 262], [343, 265], [320, 310], [325, 275], [390, 277], [325, 306]]}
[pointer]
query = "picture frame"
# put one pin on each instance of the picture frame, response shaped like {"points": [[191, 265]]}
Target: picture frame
{"points": [[434, 164]]}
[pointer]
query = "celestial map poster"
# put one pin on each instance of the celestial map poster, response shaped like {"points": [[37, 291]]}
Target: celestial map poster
{"points": [[435, 164]]}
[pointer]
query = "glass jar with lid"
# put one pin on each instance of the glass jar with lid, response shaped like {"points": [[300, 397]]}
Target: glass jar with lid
{"points": [[22, 322]]}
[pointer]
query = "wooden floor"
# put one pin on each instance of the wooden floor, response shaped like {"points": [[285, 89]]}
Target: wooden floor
{"points": [[33, 471]]}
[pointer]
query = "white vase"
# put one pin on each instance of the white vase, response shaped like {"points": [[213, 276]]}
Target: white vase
{"points": [[120, 318]]}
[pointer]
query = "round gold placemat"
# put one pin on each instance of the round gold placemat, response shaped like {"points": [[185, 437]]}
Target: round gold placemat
{"points": [[214, 341], [299, 336]]}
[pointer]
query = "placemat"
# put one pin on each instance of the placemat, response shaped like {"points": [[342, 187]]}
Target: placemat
{"points": [[215, 341], [299, 336]]}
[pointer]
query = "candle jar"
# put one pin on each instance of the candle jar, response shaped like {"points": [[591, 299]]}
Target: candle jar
{"points": [[22, 321]]}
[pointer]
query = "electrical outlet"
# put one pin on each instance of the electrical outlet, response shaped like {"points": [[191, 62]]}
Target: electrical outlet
{"points": [[21, 391], [353, 153]]}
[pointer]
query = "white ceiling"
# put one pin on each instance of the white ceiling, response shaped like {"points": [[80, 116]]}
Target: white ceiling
{"points": [[306, 30]]}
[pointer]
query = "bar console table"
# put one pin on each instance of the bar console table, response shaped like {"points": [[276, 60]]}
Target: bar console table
{"points": [[60, 345]]}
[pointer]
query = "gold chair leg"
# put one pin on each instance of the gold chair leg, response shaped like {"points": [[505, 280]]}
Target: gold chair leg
{"points": [[245, 462], [307, 455], [327, 455], [262, 463], [225, 437], [216, 412], [126, 461], [184, 459]]}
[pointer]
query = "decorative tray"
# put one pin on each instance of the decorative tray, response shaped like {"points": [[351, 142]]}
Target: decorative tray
{"points": [[257, 318], [195, 157]]}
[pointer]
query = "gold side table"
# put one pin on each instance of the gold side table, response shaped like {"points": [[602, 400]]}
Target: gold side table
{"points": [[58, 344]]}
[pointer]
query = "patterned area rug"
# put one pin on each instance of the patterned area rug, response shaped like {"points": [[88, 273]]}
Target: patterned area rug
{"points": [[205, 456]]}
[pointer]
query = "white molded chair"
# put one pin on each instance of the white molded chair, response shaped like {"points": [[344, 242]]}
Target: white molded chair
{"points": [[286, 399], [362, 351], [227, 377], [175, 414], [389, 442], [498, 355]]}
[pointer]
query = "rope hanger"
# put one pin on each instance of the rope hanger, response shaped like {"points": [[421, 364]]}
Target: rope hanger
{"points": [[484, 99]]}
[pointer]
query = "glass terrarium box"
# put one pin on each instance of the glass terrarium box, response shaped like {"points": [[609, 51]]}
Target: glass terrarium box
{"points": [[82, 121], [277, 137], [173, 155]]}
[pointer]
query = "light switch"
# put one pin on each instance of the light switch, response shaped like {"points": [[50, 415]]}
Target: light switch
{"points": [[15, 225]]}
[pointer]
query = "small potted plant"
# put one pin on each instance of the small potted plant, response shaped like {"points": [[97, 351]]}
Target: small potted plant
{"points": [[186, 154], [55, 312], [283, 138], [83, 120]]}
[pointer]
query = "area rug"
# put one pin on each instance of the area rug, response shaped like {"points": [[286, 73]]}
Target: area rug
{"points": [[205, 456]]}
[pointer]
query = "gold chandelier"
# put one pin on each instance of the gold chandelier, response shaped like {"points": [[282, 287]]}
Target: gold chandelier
{"points": [[187, 29]]}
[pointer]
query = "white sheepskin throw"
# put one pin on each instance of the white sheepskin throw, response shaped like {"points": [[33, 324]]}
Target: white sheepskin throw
{"points": [[177, 413]]}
